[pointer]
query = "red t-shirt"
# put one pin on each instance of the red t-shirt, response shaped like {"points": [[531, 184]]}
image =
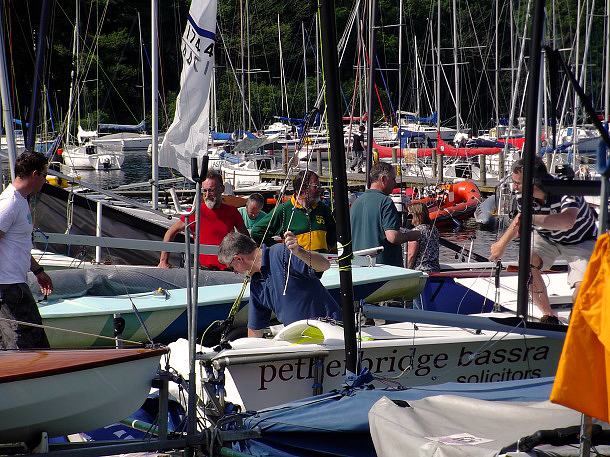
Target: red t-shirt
{"points": [[215, 224]]}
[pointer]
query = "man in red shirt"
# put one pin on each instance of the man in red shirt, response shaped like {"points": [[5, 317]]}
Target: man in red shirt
{"points": [[217, 219]]}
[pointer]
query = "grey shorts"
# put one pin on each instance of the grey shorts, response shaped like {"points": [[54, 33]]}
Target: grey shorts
{"points": [[17, 304], [577, 256]]}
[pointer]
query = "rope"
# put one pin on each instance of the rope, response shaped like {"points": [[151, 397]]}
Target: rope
{"points": [[50, 327]]}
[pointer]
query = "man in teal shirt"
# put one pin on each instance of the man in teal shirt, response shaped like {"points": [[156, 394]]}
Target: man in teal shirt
{"points": [[253, 211], [375, 220]]}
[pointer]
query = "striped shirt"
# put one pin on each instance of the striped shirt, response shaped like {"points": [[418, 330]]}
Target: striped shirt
{"points": [[584, 228]]}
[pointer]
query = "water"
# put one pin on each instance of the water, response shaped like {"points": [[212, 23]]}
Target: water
{"points": [[136, 168], [469, 233]]}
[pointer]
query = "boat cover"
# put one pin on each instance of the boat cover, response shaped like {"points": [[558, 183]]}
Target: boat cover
{"points": [[254, 144], [141, 127], [112, 280], [455, 425], [337, 424]]}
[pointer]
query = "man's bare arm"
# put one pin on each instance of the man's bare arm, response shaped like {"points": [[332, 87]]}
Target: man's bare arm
{"points": [[398, 237]]}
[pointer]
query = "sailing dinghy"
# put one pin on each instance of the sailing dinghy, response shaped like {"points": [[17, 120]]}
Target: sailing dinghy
{"points": [[64, 392]]}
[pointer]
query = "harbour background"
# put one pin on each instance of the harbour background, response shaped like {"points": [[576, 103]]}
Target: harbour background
{"points": [[137, 168]]}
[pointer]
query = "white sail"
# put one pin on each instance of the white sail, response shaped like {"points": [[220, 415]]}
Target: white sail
{"points": [[188, 135]]}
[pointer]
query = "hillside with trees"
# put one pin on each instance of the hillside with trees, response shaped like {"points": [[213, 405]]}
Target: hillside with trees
{"points": [[111, 76]]}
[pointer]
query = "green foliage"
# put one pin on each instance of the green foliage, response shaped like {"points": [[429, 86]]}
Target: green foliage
{"points": [[110, 85]]}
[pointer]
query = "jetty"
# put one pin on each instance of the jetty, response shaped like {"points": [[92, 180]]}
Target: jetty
{"points": [[357, 181]]}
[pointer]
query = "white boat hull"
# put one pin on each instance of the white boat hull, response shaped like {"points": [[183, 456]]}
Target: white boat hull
{"points": [[75, 399], [412, 355], [85, 158]]}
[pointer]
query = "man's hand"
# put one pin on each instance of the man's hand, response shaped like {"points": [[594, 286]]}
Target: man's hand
{"points": [[291, 242], [512, 232], [164, 264], [45, 283], [497, 251], [312, 258]]}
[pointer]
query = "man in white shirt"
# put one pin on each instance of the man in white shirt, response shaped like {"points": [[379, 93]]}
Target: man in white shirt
{"points": [[16, 301]]}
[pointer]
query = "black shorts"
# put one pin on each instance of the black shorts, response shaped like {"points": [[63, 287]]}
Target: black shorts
{"points": [[18, 304]]}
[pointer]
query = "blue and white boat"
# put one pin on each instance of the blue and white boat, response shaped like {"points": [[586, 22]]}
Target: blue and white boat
{"points": [[83, 313]]}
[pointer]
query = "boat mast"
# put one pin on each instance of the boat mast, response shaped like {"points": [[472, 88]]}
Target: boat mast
{"points": [[154, 6], [456, 69], [317, 40], [515, 87], [435, 151], [529, 153], [360, 61], [607, 73], [576, 73], [248, 60], [242, 57], [77, 49], [331, 71], [371, 86], [7, 108], [400, 65], [282, 82], [496, 95], [305, 65], [605, 189], [142, 64], [36, 84], [417, 89]]}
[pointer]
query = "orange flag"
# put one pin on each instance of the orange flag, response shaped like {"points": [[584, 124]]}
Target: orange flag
{"points": [[583, 373]]}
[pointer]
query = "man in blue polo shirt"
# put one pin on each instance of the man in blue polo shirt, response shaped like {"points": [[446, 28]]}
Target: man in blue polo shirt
{"points": [[273, 271], [564, 227]]}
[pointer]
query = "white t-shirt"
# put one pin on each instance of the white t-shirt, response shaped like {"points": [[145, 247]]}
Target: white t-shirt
{"points": [[16, 244]]}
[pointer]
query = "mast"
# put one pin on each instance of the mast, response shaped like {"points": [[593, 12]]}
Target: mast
{"points": [[77, 49], [438, 87], [529, 153], [317, 54], [248, 60], [7, 108], [282, 82], [305, 65], [417, 91], [605, 189], [360, 61], [142, 64], [576, 73], [496, 76], [155, 101], [242, 56], [607, 72], [456, 69], [582, 82], [515, 87], [400, 64], [331, 70], [36, 84], [370, 106]]}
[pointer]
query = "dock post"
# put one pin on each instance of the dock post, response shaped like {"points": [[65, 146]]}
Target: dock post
{"points": [[98, 232], [285, 158], [483, 170], [394, 156], [319, 160], [439, 169]]}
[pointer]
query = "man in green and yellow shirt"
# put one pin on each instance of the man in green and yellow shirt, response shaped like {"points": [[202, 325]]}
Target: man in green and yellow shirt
{"points": [[312, 221]]}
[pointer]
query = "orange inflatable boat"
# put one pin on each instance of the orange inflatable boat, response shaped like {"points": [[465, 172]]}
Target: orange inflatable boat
{"points": [[449, 202]]}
